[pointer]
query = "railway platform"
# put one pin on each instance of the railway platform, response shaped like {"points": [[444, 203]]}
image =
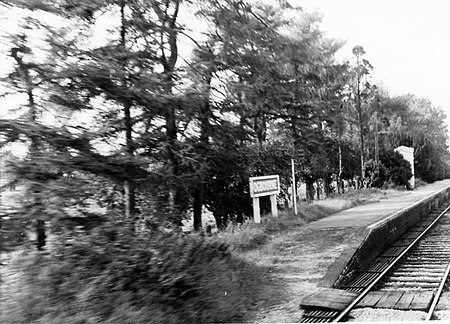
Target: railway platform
{"points": [[369, 229], [364, 218], [370, 214]]}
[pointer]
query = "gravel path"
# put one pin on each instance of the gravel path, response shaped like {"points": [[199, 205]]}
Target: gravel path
{"points": [[370, 315]]}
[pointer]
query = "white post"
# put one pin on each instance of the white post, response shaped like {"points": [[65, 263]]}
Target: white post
{"points": [[273, 204], [294, 191], [256, 212]]}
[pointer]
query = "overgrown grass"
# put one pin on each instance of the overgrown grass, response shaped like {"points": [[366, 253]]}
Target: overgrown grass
{"points": [[112, 276], [249, 235]]}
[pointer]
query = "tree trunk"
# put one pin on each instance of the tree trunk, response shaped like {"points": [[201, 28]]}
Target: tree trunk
{"points": [[41, 236], [220, 220], [260, 128], [128, 185], [309, 189], [205, 132], [242, 119], [361, 129], [168, 45], [239, 217], [326, 185], [197, 206], [361, 71], [340, 187], [33, 152], [171, 133], [318, 189], [377, 149]]}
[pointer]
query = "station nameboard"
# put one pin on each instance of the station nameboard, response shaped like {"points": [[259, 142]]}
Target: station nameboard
{"points": [[264, 186]]}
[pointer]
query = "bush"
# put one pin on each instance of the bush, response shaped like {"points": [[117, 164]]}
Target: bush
{"points": [[113, 276], [376, 173], [393, 169], [398, 169]]}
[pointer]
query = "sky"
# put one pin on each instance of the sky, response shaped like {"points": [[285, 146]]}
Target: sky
{"points": [[407, 42]]}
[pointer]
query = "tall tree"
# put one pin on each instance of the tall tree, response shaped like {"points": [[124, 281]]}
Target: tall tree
{"points": [[23, 78], [136, 70], [361, 88], [309, 94], [236, 63], [96, 80], [167, 13]]}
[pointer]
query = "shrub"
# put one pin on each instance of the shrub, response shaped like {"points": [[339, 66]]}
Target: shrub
{"points": [[398, 169], [377, 174], [113, 276]]}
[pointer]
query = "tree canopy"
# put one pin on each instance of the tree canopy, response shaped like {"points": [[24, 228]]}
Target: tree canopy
{"points": [[115, 100]]}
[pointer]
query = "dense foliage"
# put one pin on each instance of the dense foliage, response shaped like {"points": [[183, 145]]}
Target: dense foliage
{"points": [[392, 170]]}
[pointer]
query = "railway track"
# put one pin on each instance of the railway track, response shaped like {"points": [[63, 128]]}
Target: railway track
{"points": [[411, 274]]}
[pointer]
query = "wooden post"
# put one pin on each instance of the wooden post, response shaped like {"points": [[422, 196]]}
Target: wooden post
{"points": [[273, 204], [294, 191], [256, 212]]}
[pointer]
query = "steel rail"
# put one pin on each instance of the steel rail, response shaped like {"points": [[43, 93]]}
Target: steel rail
{"points": [[382, 274], [437, 296]]}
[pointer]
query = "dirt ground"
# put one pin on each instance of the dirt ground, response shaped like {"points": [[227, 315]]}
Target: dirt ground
{"points": [[299, 260]]}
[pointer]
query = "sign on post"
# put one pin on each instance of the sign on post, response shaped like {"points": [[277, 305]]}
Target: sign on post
{"points": [[264, 186]]}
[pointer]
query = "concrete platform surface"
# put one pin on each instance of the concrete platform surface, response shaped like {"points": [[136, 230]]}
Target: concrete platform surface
{"points": [[370, 214]]}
